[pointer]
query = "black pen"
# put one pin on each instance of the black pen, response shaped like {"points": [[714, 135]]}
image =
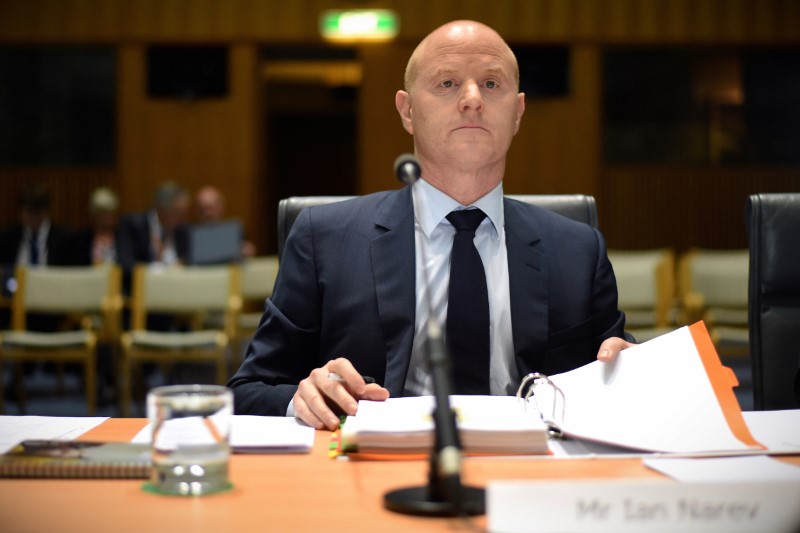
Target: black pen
{"points": [[333, 376]]}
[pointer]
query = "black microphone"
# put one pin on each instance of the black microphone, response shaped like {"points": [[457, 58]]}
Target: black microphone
{"points": [[406, 168], [444, 495]]}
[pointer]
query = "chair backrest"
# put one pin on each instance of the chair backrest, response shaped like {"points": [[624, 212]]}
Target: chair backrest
{"points": [[720, 278], [258, 277], [773, 223], [646, 285], [64, 290], [184, 290], [580, 207]]}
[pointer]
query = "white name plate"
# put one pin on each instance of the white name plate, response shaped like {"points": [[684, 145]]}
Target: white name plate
{"points": [[642, 506]]}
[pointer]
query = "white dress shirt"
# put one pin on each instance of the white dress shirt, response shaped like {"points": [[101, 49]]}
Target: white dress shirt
{"points": [[24, 251], [434, 241], [433, 231]]}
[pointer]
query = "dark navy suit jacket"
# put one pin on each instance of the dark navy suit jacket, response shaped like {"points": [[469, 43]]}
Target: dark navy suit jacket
{"points": [[346, 288]]}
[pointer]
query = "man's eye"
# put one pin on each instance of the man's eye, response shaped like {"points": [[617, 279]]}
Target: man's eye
{"points": [[491, 84], [447, 83]]}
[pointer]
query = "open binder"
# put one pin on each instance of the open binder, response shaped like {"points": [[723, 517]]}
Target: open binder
{"points": [[670, 394]]}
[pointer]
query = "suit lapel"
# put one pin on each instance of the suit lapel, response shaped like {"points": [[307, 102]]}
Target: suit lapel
{"points": [[528, 282], [394, 273]]}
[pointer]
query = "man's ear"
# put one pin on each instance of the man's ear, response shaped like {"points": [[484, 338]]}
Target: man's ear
{"points": [[402, 101], [520, 111]]}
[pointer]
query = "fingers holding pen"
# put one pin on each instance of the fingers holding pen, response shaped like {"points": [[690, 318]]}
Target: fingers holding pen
{"points": [[332, 390]]}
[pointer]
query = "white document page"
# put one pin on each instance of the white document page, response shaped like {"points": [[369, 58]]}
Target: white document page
{"points": [[264, 434], [779, 431], [15, 429], [726, 469], [249, 434], [656, 396]]}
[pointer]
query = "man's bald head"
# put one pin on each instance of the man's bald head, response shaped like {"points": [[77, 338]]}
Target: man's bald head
{"points": [[453, 34]]}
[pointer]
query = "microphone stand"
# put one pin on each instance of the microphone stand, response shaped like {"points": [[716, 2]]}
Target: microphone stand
{"points": [[444, 495]]}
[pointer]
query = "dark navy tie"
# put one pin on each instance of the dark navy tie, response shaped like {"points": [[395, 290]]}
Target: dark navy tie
{"points": [[468, 307], [34, 249]]}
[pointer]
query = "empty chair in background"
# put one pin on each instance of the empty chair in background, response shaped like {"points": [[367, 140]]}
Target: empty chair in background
{"points": [[191, 292], [713, 288], [258, 280], [77, 293], [646, 286]]}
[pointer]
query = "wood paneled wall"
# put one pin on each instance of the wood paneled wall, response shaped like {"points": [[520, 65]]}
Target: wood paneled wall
{"points": [[628, 21], [683, 207], [200, 142], [556, 151], [70, 190]]}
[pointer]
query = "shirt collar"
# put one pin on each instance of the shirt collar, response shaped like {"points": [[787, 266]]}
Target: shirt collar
{"points": [[41, 233], [435, 205], [155, 223]]}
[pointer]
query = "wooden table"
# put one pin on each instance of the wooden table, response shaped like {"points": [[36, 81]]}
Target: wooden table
{"points": [[304, 492]]}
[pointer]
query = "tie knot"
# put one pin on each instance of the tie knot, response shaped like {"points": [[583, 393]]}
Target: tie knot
{"points": [[466, 219]]}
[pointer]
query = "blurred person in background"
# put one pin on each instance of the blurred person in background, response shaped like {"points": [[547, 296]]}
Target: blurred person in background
{"points": [[35, 240], [210, 207], [97, 244], [158, 235]]}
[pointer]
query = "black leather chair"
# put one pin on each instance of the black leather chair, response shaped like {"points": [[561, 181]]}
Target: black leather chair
{"points": [[773, 226], [578, 207]]}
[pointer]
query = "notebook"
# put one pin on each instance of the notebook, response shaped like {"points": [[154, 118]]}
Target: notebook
{"points": [[215, 243], [76, 459]]}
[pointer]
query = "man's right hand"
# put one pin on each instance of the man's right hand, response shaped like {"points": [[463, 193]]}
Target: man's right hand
{"points": [[320, 400]]}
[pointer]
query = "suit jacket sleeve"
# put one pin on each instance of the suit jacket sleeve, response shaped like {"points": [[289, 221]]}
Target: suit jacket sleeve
{"points": [[563, 290], [578, 325], [283, 348], [326, 304]]}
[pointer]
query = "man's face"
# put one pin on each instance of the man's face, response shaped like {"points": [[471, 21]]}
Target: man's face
{"points": [[209, 207], [464, 106], [174, 215]]}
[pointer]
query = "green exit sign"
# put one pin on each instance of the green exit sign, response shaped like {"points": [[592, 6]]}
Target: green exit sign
{"points": [[359, 25]]}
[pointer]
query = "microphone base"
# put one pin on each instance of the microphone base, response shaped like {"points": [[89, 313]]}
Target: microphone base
{"points": [[417, 501]]}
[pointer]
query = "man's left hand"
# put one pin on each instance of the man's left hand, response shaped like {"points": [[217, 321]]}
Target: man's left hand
{"points": [[611, 347]]}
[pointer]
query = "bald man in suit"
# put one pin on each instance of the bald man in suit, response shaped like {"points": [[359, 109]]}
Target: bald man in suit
{"points": [[349, 296]]}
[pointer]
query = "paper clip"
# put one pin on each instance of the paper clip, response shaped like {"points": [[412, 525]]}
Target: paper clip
{"points": [[528, 387]]}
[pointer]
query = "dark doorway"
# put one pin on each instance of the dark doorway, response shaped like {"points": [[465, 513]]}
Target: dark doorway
{"points": [[311, 124]]}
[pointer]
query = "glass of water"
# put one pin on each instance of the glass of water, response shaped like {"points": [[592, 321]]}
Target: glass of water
{"points": [[191, 426]]}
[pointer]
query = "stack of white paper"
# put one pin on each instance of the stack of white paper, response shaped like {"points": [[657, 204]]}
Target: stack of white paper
{"points": [[249, 434], [487, 424]]}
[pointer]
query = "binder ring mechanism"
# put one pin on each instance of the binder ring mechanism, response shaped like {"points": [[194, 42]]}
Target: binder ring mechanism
{"points": [[535, 384]]}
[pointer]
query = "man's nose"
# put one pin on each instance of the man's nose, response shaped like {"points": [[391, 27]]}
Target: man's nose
{"points": [[471, 98]]}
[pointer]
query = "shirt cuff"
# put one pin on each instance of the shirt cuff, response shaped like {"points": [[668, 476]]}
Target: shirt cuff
{"points": [[290, 408]]}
